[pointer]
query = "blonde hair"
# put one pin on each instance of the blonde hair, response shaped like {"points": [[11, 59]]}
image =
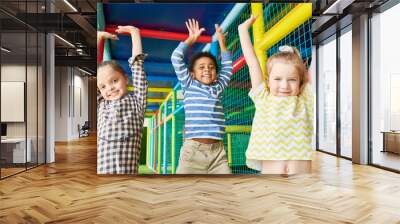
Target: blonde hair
{"points": [[291, 55]]}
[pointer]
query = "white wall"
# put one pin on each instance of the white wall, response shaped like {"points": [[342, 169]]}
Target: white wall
{"points": [[82, 83], [71, 102], [13, 73], [33, 126], [61, 103]]}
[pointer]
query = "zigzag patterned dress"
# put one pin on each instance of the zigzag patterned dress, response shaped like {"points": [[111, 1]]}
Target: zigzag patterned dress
{"points": [[282, 127]]}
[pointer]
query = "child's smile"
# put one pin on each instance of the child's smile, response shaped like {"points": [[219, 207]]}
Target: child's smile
{"points": [[204, 71], [113, 93], [112, 84], [284, 80]]}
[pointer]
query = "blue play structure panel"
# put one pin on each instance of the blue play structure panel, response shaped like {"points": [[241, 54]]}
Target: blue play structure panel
{"points": [[166, 16], [158, 69], [157, 51]]}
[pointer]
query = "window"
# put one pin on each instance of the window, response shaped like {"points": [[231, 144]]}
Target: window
{"points": [[385, 85], [22, 60], [327, 96], [346, 92]]}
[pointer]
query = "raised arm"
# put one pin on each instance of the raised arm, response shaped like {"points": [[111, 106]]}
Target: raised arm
{"points": [[102, 35], [248, 52], [221, 38], [226, 60], [177, 57], [194, 31], [135, 36], [136, 62], [181, 70]]}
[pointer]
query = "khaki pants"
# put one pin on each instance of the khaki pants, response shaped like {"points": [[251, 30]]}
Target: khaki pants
{"points": [[200, 158]]}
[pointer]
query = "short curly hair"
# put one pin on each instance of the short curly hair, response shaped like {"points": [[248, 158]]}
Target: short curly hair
{"points": [[199, 55]]}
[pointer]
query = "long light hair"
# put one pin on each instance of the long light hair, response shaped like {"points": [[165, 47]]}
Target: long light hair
{"points": [[290, 55]]}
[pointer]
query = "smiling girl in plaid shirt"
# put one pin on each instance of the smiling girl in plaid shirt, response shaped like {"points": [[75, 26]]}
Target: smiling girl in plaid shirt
{"points": [[120, 113]]}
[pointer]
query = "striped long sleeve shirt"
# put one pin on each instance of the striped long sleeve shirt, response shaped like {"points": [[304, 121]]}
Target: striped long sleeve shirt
{"points": [[204, 115]]}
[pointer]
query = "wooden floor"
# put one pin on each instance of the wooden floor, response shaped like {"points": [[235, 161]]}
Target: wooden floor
{"points": [[387, 159], [69, 191], [10, 171]]}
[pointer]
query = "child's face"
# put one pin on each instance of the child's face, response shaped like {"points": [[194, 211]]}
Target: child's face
{"points": [[112, 84], [284, 79], [204, 70]]}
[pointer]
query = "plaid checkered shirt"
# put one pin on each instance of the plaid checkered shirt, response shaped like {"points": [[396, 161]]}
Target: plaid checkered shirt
{"points": [[120, 125]]}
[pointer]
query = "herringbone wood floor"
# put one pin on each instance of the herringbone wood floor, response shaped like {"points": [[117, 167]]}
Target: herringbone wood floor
{"points": [[69, 191]]}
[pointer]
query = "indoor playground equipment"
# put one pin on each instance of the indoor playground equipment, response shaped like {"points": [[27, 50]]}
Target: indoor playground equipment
{"points": [[277, 24]]}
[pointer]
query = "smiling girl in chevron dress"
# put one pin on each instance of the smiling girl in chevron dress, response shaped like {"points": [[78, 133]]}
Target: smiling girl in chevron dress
{"points": [[280, 141]]}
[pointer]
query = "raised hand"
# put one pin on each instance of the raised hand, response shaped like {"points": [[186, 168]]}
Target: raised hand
{"points": [[127, 29], [101, 35], [135, 35], [220, 37], [106, 35], [246, 24], [194, 31], [248, 52]]}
